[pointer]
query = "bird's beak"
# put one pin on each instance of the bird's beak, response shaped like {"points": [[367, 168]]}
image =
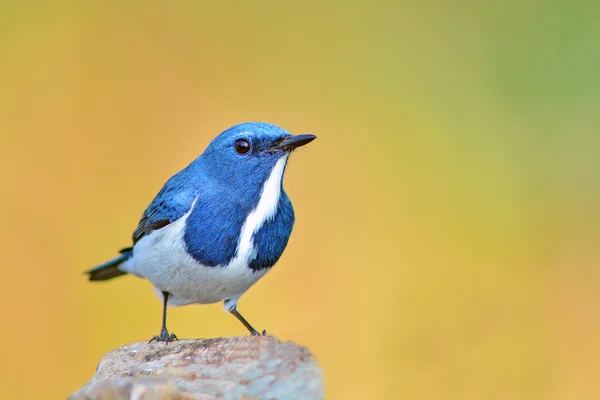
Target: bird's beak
{"points": [[293, 142]]}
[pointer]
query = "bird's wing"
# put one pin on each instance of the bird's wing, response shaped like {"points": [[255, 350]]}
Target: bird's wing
{"points": [[170, 204]]}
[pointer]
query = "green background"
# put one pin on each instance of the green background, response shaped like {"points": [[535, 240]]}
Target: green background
{"points": [[447, 242]]}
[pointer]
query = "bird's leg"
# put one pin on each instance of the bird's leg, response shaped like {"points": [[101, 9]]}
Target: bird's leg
{"points": [[253, 331], [164, 333]]}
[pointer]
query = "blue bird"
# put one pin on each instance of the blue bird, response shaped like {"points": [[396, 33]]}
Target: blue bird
{"points": [[217, 226]]}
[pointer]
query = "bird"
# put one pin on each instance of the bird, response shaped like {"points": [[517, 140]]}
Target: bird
{"points": [[217, 226]]}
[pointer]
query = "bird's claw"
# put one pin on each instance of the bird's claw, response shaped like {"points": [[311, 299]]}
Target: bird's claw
{"points": [[164, 336], [257, 333]]}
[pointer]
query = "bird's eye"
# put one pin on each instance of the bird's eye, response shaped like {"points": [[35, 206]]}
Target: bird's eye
{"points": [[242, 146]]}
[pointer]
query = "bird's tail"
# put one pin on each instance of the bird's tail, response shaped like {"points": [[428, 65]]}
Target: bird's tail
{"points": [[110, 269]]}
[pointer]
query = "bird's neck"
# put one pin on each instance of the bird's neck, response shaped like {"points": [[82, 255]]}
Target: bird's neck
{"points": [[228, 214]]}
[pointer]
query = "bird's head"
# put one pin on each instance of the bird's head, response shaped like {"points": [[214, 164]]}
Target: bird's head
{"points": [[245, 154]]}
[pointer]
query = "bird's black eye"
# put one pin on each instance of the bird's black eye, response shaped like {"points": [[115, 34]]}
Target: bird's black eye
{"points": [[242, 146]]}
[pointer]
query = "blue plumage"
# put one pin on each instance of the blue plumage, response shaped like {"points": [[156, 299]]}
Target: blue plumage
{"points": [[218, 225], [271, 239], [171, 203]]}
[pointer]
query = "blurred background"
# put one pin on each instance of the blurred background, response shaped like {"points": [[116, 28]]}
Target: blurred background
{"points": [[447, 242]]}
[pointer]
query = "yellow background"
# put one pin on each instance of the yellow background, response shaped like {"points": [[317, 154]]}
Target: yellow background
{"points": [[447, 243]]}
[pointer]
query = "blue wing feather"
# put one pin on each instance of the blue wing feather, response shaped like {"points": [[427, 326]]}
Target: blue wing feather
{"points": [[171, 203]]}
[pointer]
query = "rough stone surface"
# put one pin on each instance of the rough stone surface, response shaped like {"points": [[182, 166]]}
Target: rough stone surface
{"points": [[259, 367]]}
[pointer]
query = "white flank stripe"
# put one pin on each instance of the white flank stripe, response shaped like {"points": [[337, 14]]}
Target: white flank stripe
{"points": [[265, 210]]}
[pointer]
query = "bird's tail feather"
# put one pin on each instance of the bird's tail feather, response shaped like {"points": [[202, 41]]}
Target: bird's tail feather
{"points": [[110, 269]]}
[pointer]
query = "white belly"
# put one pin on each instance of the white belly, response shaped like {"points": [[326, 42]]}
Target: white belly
{"points": [[161, 258]]}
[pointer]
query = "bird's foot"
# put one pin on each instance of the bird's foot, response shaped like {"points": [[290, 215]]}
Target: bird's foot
{"points": [[164, 336], [254, 332]]}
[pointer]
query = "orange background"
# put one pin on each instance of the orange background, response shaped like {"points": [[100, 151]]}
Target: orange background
{"points": [[447, 242]]}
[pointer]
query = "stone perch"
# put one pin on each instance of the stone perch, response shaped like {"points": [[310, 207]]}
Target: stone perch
{"points": [[248, 367]]}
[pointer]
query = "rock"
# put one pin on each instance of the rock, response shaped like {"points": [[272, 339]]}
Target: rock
{"points": [[249, 367]]}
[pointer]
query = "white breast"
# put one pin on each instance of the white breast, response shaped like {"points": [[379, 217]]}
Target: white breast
{"points": [[161, 256]]}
